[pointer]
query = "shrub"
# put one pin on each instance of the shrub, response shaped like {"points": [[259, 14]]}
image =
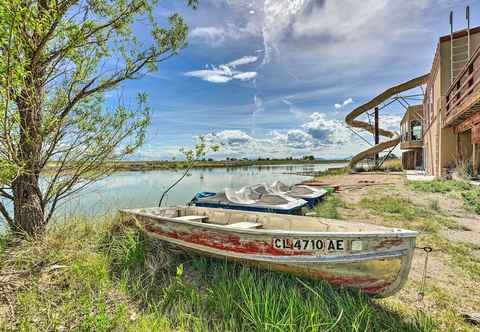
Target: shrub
{"points": [[439, 186], [471, 199], [328, 208]]}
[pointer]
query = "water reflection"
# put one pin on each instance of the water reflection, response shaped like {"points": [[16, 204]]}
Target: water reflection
{"points": [[143, 189]]}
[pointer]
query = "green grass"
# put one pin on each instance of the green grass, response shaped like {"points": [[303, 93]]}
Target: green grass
{"points": [[395, 207], [460, 253], [394, 165], [402, 212], [103, 277], [469, 193], [439, 186], [471, 199], [334, 171], [329, 207], [3, 242]]}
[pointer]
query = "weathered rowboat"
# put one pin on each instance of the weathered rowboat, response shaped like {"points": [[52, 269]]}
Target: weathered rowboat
{"points": [[371, 258]]}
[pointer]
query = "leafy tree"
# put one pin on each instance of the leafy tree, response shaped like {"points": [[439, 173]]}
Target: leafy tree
{"points": [[57, 60]]}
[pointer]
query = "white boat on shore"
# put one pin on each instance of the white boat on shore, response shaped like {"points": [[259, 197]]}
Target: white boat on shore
{"points": [[246, 199], [310, 194], [371, 258]]}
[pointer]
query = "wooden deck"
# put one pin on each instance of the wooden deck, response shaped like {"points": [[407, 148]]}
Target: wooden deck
{"points": [[411, 144]]}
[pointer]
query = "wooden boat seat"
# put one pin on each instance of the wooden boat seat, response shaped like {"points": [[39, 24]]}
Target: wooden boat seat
{"points": [[245, 225], [193, 218]]}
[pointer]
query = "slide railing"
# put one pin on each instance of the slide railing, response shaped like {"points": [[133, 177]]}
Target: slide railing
{"points": [[350, 119]]}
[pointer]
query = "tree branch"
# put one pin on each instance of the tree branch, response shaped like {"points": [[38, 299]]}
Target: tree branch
{"points": [[3, 193], [175, 183], [6, 216]]}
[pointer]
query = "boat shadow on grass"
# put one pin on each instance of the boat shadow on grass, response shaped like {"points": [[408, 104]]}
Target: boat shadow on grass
{"points": [[198, 293]]}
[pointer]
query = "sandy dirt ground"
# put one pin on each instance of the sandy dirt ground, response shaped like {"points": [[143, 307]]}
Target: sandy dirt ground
{"points": [[449, 288]]}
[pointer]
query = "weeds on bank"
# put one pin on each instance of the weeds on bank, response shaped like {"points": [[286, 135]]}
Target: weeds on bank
{"points": [[469, 193], [334, 171], [3, 242], [472, 199], [404, 213], [329, 207], [460, 253], [102, 277], [394, 165], [439, 186]]}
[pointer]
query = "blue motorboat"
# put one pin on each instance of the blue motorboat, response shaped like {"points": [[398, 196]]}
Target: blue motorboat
{"points": [[246, 199]]}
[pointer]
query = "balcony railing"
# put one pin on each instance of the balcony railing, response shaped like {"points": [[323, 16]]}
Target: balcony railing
{"points": [[410, 141], [464, 92]]}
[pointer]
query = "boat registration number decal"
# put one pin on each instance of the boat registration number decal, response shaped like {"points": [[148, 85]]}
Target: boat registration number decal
{"points": [[302, 244]]}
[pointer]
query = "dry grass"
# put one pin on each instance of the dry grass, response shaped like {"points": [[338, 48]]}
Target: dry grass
{"points": [[437, 210], [393, 165], [104, 276]]}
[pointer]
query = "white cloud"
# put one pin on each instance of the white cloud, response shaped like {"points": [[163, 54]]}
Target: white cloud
{"points": [[299, 139], [390, 122], [246, 76], [379, 32], [210, 75], [345, 103], [327, 131], [211, 35], [297, 112], [232, 138], [258, 102], [319, 133], [218, 35], [243, 61], [226, 72]]}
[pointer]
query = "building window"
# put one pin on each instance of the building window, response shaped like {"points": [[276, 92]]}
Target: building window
{"points": [[416, 130]]}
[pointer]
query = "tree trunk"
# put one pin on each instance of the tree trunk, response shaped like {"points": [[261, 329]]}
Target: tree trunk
{"points": [[28, 210], [27, 197]]}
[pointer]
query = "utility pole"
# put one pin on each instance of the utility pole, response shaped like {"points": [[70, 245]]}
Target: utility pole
{"points": [[467, 16], [451, 48], [377, 135]]}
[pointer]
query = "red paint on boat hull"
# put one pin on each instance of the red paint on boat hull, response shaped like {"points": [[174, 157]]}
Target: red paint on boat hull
{"points": [[232, 243]]}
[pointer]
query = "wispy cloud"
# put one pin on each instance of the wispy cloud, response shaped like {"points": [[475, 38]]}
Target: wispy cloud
{"points": [[226, 72], [213, 36], [297, 112], [216, 36], [243, 61], [345, 103]]}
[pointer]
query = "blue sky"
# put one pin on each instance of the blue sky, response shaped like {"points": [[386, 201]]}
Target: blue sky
{"points": [[276, 77]]}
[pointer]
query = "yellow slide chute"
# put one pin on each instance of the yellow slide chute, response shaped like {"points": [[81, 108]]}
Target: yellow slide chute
{"points": [[350, 119]]}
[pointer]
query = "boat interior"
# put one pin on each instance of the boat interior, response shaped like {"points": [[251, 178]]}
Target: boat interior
{"points": [[252, 220], [259, 199], [295, 191]]}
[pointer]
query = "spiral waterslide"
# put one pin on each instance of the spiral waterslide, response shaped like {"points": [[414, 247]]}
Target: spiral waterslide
{"points": [[350, 119]]}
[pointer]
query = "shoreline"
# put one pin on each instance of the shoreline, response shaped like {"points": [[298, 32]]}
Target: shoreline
{"points": [[152, 165]]}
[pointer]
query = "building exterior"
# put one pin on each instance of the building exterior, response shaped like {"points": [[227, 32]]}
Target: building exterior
{"points": [[411, 138], [450, 115]]}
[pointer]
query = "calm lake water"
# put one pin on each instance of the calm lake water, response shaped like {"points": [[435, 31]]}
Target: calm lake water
{"points": [[144, 189]]}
